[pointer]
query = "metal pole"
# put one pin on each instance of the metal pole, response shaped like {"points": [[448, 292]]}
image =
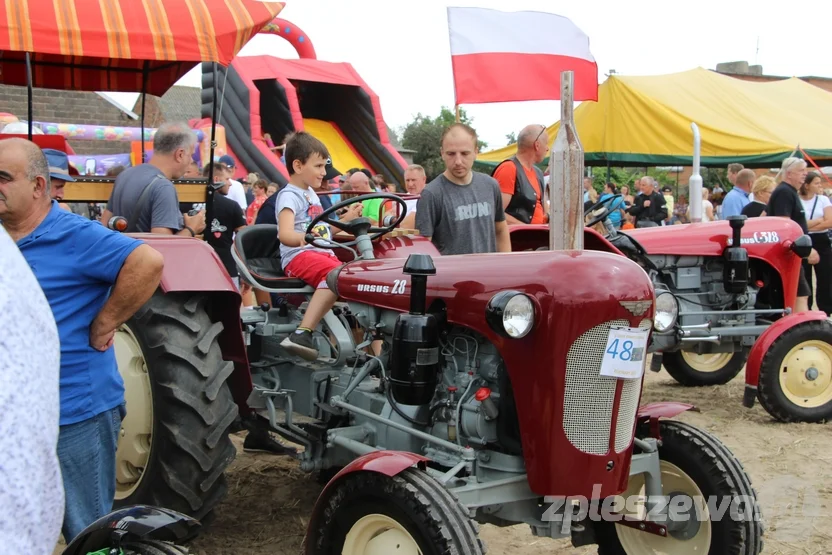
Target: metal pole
{"points": [[566, 168], [209, 193], [145, 76], [695, 183], [29, 99]]}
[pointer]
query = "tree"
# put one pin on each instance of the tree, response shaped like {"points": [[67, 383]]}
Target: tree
{"points": [[423, 135], [511, 138]]}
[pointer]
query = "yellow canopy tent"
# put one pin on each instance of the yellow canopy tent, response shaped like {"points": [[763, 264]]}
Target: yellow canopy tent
{"points": [[645, 121]]}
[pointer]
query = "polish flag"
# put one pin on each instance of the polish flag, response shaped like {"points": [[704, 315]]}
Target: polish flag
{"points": [[512, 56]]}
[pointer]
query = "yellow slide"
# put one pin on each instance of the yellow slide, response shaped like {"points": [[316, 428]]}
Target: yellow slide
{"points": [[343, 155]]}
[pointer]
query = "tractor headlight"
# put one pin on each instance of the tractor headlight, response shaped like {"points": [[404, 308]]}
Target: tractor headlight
{"points": [[667, 311], [510, 313]]}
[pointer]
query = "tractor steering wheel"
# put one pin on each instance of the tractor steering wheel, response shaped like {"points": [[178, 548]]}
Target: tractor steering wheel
{"points": [[357, 227], [607, 206]]}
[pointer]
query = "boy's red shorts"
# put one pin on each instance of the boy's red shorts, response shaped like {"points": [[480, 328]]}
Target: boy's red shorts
{"points": [[312, 267]]}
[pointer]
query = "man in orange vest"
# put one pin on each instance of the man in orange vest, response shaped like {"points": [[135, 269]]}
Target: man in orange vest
{"points": [[521, 181]]}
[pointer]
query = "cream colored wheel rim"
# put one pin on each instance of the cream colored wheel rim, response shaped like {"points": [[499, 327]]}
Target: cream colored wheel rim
{"points": [[806, 374], [137, 427], [711, 362], [378, 534], [674, 480]]}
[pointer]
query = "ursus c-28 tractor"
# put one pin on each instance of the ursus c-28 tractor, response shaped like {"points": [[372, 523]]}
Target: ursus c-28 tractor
{"points": [[493, 390]]}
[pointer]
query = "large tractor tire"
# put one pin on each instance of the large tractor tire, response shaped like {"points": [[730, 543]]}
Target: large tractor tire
{"points": [[368, 513], [796, 374], [694, 464], [691, 369], [174, 444]]}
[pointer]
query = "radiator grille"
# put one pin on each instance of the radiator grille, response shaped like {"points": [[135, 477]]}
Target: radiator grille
{"points": [[628, 406], [589, 397]]}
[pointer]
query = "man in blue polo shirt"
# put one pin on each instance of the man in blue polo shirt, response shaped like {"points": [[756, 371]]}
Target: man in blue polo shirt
{"points": [[94, 279], [737, 198]]}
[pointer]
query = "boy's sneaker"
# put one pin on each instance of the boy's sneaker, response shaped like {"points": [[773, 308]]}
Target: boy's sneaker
{"points": [[302, 344]]}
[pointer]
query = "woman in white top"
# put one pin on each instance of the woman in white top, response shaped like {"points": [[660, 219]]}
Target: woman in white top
{"points": [[707, 207], [818, 211]]}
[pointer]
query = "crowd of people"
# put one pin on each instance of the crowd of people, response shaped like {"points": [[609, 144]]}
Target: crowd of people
{"points": [[90, 280]]}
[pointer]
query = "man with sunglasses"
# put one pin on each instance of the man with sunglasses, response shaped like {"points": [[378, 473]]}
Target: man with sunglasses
{"points": [[522, 184], [785, 202]]}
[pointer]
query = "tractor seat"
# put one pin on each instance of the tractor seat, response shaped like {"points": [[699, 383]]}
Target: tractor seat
{"points": [[257, 252]]}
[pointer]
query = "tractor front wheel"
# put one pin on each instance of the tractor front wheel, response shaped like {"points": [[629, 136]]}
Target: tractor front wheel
{"points": [[796, 374], [406, 514], [691, 369], [722, 514], [174, 444]]}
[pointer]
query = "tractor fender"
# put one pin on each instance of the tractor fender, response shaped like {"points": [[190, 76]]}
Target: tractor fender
{"points": [[654, 411], [139, 522], [389, 463], [192, 266], [764, 343]]}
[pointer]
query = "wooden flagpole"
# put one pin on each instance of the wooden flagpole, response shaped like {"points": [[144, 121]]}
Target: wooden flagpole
{"points": [[457, 113]]}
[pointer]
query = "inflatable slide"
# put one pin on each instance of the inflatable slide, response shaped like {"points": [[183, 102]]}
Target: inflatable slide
{"points": [[262, 95]]}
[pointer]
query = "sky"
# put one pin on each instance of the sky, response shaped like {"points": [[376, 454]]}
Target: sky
{"points": [[401, 49]]}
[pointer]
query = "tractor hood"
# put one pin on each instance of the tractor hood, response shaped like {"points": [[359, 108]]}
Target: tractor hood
{"points": [[761, 236], [554, 370]]}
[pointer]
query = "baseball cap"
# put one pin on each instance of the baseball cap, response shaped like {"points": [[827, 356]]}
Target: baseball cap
{"points": [[331, 172], [667, 189], [58, 164], [228, 161]]}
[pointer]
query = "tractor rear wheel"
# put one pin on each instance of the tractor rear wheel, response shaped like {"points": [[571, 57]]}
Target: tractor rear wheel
{"points": [[796, 374], [368, 513], [174, 444], [691, 369], [694, 464]]}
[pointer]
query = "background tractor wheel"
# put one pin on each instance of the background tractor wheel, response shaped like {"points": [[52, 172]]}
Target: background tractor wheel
{"points": [[694, 463], [368, 513], [153, 547], [174, 444], [796, 374], [691, 369]]}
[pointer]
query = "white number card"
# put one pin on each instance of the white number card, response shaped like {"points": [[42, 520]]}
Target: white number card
{"points": [[625, 353]]}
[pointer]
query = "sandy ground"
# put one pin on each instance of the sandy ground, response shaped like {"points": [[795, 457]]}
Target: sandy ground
{"points": [[790, 466]]}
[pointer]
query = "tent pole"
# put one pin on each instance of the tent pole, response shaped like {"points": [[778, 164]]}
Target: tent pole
{"points": [[29, 100], [144, 97], [209, 194], [609, 171]]}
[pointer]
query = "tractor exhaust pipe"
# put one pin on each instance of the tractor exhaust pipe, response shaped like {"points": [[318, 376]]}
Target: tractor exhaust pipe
{"points": [[695, 183], [566, 169]]}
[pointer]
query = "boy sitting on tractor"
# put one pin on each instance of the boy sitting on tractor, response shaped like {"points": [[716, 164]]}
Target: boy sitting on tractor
{"points": [[297, 205]]}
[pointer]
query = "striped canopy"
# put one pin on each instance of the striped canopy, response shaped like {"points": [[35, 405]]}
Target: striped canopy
{"points": [[110, 45]]}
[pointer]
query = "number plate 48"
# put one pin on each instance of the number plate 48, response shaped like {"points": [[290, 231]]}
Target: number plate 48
{"points": [[625, 353]]}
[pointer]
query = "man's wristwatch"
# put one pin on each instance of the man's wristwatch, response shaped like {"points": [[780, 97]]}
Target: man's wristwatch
{"points": [[190, 230]]}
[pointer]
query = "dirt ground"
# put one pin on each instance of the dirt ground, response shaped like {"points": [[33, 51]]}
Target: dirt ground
{"points": [[790, 466]]}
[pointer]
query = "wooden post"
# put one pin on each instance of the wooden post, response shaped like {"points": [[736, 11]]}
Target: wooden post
{"points": [[456, 109], [566, 168]]}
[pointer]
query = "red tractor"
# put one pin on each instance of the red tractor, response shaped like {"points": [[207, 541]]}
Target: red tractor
{"points": [[726, 290], [482, 405]]}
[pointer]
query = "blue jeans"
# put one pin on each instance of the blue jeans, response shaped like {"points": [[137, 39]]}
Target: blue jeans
{"points": [[87, 452]]}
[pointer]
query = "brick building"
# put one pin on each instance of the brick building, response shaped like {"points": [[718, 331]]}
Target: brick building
{"points": [[178, 104], [85, 108]]}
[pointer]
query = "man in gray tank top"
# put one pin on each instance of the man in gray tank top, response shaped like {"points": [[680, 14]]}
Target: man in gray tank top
{"points": [[461, 211]]}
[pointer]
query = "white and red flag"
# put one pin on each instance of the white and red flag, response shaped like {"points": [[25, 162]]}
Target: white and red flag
{"points": [[513, 56]]}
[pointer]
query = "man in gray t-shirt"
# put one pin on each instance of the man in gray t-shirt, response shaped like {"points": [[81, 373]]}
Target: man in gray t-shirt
{"points": [[173, 146], [461, 211]]}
